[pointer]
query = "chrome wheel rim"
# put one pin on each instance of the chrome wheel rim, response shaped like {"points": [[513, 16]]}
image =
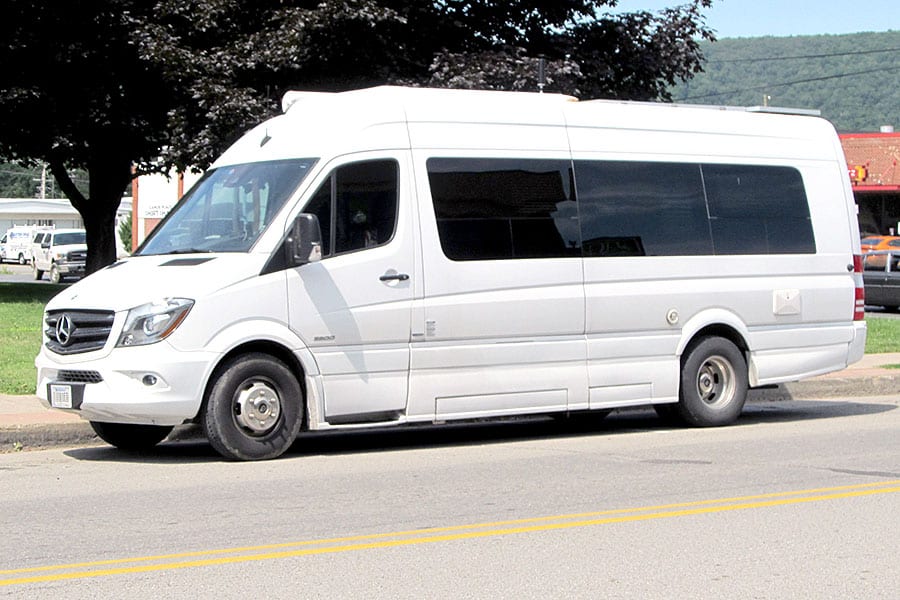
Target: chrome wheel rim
{"points": [[257, 408], [716, 382]]}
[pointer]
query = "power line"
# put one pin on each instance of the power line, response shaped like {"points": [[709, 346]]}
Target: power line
{"points": [[800, 56], [787, 83]]}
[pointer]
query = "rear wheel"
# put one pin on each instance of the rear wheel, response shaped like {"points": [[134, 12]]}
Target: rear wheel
{"points": [[21, 258], [713, 383], [127, 436], [254, 409]]}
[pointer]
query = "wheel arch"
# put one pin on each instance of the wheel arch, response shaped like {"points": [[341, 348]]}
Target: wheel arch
{"points": [[720, 323]]}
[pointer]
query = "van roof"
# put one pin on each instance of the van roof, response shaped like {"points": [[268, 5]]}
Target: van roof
{"points": [[411, 94]]}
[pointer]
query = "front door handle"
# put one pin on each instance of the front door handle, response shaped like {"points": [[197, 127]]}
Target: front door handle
{"points": [[394, 277]]}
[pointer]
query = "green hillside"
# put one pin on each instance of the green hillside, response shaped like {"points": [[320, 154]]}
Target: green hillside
{"points": [[853, 79]]}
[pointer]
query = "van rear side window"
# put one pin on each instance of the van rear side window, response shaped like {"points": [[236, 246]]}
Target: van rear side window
{"points": [[682, 209], [758, 210]]}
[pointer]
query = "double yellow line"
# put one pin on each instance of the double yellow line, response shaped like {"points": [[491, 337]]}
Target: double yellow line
{"points": [[188, 560]]}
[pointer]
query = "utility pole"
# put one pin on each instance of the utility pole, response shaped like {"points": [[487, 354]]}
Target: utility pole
{"points": [[42, 189]]}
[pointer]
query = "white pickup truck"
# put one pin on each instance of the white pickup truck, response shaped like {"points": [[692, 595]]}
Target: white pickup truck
{"points": [[61, 252]]}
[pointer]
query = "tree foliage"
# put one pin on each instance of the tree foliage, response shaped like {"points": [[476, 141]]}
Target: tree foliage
{"points": [[115, 84]]}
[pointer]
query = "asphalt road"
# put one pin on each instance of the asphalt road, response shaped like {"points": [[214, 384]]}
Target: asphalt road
{"points": [[800, 499]]}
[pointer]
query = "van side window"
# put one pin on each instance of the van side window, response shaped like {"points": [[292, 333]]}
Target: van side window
{"points": [[758, 210], [489, 209], [357, 206], [642, 209], [679, 209]]}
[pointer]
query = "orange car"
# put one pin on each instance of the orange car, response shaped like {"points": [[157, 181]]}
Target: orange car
{"points": [[880, 242]]}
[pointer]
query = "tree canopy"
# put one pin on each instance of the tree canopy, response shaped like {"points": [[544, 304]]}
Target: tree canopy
{"points": [[118, 87]]}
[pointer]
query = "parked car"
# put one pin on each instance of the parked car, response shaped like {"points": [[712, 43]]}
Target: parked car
{"points": [[881, 276], [61, 252], [880, 242]]}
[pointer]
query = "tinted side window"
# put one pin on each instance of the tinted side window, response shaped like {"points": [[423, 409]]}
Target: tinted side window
{"points": [[357, 206], [758, 210], [642, 209], [504, 208]]}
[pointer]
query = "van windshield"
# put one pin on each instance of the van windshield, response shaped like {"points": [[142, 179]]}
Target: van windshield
{"points": [[69, 239], [228, 209]]}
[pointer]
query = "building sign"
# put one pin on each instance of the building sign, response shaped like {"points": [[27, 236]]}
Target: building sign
{"points": [[858, 173]]}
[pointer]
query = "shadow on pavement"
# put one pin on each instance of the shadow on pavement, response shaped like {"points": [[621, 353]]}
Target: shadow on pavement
{"points": [[194, 449]]}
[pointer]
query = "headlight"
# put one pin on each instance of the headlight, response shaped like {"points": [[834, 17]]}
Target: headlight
{"points": [[152, 322]]}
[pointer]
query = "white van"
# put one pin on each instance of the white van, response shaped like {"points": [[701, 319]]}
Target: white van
{"points": [[18, 240], [391, 256]]}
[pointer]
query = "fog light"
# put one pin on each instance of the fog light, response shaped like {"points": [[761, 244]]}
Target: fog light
{"points": [[149, 380]]}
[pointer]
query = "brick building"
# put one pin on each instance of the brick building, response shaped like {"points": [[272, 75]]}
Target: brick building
{"points": [[872, 164]]}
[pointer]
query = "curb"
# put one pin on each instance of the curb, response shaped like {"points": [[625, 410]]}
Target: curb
{"points": [[830, 387], [44, 435]]}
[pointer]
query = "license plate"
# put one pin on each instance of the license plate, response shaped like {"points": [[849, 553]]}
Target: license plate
{"points": [[60, 396]]}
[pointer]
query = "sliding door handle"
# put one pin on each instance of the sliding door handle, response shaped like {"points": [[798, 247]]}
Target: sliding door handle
{"points": [[394, 277]]}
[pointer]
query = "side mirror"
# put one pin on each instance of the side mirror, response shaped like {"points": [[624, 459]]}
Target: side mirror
{"points": [[304, 244]]}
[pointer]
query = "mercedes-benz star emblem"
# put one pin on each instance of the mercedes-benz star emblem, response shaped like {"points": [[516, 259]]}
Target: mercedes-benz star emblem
{"points": [[64, 330]]}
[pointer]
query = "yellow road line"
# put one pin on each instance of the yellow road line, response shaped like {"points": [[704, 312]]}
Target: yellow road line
{"points": [[427, 536]]}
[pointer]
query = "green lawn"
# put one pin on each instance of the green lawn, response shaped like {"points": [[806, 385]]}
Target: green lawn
{"points": [[21, 310], [22, 306]]}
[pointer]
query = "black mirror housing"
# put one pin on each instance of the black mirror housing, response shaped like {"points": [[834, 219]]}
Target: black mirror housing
{"points": [[304, 244]]}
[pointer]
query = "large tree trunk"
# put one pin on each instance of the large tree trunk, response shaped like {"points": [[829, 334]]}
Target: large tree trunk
{"points": [[109, 178]]}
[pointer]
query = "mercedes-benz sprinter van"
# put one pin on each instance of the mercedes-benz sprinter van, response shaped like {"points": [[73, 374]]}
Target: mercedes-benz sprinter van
{"points": [[392, 255]]}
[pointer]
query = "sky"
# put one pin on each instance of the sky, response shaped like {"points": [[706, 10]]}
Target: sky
{"points": [[755, 18]]}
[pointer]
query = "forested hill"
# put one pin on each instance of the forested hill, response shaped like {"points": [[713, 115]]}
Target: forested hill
{"points": [[853, 79]]}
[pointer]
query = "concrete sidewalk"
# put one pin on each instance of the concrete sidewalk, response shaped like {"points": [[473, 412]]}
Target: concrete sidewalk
{"points": [[25, 423]]}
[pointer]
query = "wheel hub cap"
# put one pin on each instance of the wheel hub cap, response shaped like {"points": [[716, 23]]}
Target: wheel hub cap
{"points": [[716, 381], [258, 408]]}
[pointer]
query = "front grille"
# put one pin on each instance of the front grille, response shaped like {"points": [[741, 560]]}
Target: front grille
{"points": [[79, 377], [81, 330], [77, 256]]}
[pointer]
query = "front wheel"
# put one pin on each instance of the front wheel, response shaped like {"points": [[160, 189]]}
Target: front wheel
{"points": [[126, 436], [254, 409], [713, 383], [55, 277], [38, 273]]}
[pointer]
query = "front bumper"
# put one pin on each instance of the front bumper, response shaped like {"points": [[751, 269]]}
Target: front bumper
{"points": [[71, 268], [149, 385]]}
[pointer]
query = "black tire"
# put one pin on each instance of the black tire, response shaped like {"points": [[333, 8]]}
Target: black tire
{"points": [[713, 383], [38, 274], [254, 409], [55, 277], [21, 258], [126, 436]]}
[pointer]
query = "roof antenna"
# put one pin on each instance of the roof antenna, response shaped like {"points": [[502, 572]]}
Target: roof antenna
{"points": [[542, 73]]}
